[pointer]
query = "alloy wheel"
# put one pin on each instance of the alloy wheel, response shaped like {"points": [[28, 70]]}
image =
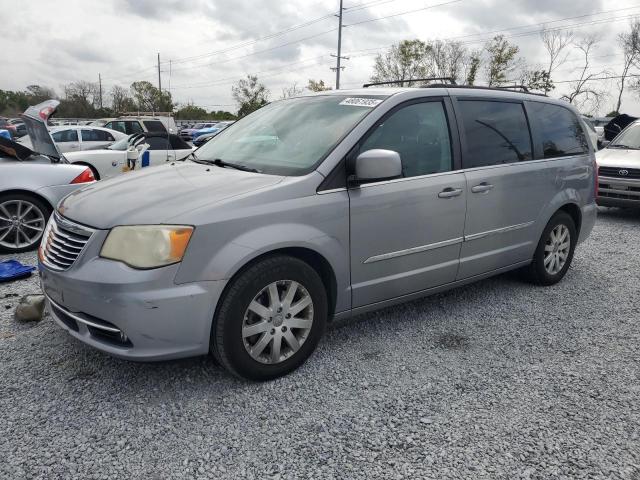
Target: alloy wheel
{"points": [[277, 321], [21, 224], [556, 249]]}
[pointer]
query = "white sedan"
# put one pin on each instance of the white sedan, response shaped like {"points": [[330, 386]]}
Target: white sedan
{"points": [[132, 153], [79, 138]]}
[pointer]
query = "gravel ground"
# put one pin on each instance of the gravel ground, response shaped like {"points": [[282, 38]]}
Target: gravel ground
{"points": [[494, 380]]}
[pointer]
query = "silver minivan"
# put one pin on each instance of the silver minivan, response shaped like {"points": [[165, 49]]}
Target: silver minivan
{"points": [[319, 207]]}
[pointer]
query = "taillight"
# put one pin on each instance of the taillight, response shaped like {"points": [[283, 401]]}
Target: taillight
{"points": [[85, 177]]}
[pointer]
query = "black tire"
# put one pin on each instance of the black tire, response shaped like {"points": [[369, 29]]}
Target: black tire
{"points": [[536, 272], [44, 208], [227, 343]]}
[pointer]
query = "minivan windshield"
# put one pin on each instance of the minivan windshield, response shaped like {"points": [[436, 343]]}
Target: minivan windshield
{"points": [[629, 138], [288, 137]]}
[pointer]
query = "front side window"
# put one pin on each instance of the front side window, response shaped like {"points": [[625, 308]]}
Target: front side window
{"points": [[496, 133], [558, 130], [419, 133], [289, 137], [629, 138], [65, 136]]}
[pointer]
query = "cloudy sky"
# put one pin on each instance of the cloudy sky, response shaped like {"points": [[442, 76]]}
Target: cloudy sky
{"points": [[212, 43]]}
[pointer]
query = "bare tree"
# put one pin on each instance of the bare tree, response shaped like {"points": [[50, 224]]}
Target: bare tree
{"points": [[446, 59], [555, 43], [630, 43], [82, 92], [292, 91], [582, 92], [121, 101]]}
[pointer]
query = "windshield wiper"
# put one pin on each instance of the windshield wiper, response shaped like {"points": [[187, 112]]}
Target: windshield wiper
{"points": [[626, 147], [221, 163]]}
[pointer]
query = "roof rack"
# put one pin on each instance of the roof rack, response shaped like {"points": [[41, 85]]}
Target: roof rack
{"points": [[428, 79], [145, 114]]}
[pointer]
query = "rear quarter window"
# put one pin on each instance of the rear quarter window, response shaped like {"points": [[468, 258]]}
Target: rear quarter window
{"points": [[495, 132], [154, 126], [558, 132]]}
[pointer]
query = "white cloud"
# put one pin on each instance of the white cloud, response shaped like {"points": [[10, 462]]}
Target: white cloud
{"points": [[51, 45]]}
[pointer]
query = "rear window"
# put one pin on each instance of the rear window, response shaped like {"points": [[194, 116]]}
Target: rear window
{"points": [[558, 130], [154, 126], [496, 133]]}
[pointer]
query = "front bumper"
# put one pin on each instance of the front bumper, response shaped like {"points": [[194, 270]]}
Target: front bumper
{"points": [[133, 314]]}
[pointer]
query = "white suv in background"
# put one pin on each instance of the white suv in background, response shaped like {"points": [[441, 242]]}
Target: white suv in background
{"points": [[130, 124]]}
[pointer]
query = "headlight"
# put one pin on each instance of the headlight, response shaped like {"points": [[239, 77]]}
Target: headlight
{"points": [[147, 246]]}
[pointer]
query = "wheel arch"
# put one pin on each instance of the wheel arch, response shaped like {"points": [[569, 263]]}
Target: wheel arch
{"points": [[311, 257], [574, 212], [31, 193]]}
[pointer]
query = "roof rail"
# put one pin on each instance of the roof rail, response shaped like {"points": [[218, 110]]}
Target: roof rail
{"points": [[520, 88], [428, 79]]}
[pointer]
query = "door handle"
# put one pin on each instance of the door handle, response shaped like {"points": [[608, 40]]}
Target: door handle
{"points": [[482, 188], [450, 192]]}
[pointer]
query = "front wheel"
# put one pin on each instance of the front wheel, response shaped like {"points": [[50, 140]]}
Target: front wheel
{"points": [[270, 319], [554, 252], [22, 222]]}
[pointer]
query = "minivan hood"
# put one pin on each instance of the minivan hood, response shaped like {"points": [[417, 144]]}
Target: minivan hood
{"points": [[618, 157], [154, 195]]}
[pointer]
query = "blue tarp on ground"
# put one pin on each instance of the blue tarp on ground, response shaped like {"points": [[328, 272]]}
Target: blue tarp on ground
{"points": [[13, 270]]}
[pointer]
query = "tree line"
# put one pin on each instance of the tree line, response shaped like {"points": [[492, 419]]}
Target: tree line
{"points": [[498, 63]]}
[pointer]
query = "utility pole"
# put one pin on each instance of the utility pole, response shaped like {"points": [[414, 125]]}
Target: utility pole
{"points": [[339, 68], [100, 87], [159, 80]]}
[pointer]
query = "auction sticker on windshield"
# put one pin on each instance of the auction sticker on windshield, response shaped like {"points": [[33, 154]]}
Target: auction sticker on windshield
{"points": [[361, 102]]}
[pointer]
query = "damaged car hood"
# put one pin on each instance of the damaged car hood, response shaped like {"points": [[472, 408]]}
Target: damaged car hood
{"points": [[155, 195]]}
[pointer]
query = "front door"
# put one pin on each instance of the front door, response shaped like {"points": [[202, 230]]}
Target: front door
{"points": [[406, 233]]}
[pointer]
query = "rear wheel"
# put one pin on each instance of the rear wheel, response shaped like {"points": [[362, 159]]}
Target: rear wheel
{"points": [[23, 218], [554, 252], [271, 319]]}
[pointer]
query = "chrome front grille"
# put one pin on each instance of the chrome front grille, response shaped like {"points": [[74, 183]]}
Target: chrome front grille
{"points": [[619, 172], [62, 242]]}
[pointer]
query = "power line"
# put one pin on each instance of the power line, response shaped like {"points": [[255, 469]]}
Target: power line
{"points": [[403, 13], [281, 68], [376, 50]]}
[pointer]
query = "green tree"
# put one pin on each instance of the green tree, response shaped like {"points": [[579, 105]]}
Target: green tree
{"points": [[473, 66], [539, 80], [502, 60], [250, 95], [317, 86], [407, 60], [149, 99]]}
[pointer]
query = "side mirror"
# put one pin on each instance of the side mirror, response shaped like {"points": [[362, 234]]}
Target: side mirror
{"points": [[377, 164]]}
